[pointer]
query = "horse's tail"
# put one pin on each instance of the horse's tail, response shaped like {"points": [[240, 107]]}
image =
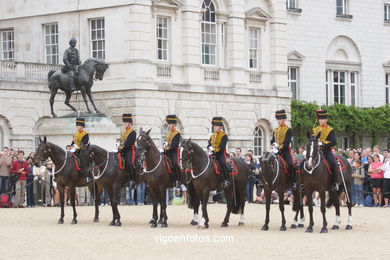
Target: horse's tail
{"points": [[48, 77]]}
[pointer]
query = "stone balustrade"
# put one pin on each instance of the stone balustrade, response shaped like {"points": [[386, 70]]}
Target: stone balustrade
{"points": [[25, 71]]}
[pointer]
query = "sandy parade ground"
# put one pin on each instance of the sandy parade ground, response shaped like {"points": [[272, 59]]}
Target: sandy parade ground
{"points": [[33, 233]]}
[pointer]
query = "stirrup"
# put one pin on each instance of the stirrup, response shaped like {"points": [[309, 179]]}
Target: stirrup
{"points": [[335, 187], [225, 184]]}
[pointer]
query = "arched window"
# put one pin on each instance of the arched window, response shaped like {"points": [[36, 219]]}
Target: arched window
{"points": [[209, 33], [258, 141], [164, 131]]}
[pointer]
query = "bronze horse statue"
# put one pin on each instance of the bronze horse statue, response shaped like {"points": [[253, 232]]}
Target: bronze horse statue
{"points": [[315, 176], [92, 69], [104, 166], [204, 179], [67, 173], [155, 174], [275, 177]]}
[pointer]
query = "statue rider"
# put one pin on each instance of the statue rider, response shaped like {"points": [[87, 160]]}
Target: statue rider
{"points": [[72, 62]]}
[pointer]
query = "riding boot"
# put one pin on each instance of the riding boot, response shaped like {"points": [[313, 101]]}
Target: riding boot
{"points": [[176, 176], [293, 178], [131, 178], [334, 184], [225, 182]]}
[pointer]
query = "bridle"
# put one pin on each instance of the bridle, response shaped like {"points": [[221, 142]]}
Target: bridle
{"points": [[92, 165], [46, 154], [188, 163], [273, 170], [310, 158], [142, 157]]}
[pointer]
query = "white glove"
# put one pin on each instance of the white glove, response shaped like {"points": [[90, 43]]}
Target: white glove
{"points": [[117, 145], [320, 143], [209, 152], [275, 149], [74, 148], [115, 150], [161, 150], [275, 144], [165, 144], [211, 148]]}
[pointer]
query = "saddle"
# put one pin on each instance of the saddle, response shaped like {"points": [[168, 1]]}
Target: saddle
{"points": [[230, 165], [121, 161], [76, 161], [284, 163], [338, 159], [168, 163]]}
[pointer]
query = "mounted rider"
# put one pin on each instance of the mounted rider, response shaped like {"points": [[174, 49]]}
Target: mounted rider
{"points": [[80, 137], [171, 147], [281, 142], [217, 148], [72, 61], [127, 146], [327, 138]]}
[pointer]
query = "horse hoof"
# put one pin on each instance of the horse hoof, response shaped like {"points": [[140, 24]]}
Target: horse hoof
{"points": [[348, 227], [309, 230], [324, 230], [74, 221], [54, 115], [95, 220], [206, 225], [335, 227], [151, 221], [282, 228], [154, 225], [60, 221], [293, 226], [301, 225], [159, 222], [265, 228], [112, 223], [194, 223], [164, 225], [241, 223], [224, 224], [118, 224]]}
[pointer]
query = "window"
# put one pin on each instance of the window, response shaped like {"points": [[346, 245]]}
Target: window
{"points": [[293, 81], [254, 48], [7, 44], [353, 88], [51, 43], [292, 4], [97, 38], [339, 86], [341, 7], [209, 34], [258, 141], [162, 38], [387, 13], [164, 131], [327, 86], [387, 89]]}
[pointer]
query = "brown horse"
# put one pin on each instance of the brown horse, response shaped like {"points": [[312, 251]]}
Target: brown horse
{"points": [[204, 179], [106, 172], [65, 175], [275, 177], [155, 174], [316, 177]]}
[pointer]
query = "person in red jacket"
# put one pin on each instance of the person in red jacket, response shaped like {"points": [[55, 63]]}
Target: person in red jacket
{"points": [[20, 168]]}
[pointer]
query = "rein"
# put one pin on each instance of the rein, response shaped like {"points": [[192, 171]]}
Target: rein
{"points": [[318, 163], [62, 167], [105, 167], [155, 168], [205, 169]]}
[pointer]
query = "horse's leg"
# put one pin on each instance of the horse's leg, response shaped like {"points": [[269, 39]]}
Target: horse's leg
{"points": [[281, 208], [267, 193], [110, 192], [163, 208], [336, 204], [302, 214], [153, 222], [97, 191], [324, 222], [349, 205], [294, 225], [68, 94], [309, 229], [242, 202], [203, 223], [229, 206], [51, 100], [62, 201], [88, 90], [72, 201], [114, 203], [84, 94]]}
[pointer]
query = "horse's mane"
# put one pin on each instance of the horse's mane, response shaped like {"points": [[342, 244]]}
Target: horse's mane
{"points": [[96, 60], [196, 146], [98, 148], [55, 147]]}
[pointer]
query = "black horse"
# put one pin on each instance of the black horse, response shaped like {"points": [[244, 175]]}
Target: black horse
{"points": [[275, 177], [67, 173], [91, 69], [106, 171], [155, 174], [204, 179], [315, 176]]}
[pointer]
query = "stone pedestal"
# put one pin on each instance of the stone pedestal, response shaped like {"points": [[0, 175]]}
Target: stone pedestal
{"points": [[102, 131]]}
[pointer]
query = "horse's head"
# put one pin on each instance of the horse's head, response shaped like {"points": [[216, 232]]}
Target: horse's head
{"points": [[143, 145], [43, 151], [269, 167], [311, 149], [86, 156], [100, 68], [187, 151]]}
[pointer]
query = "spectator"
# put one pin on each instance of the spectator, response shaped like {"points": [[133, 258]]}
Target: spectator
{"points": [[5, 168], [350, 159], [232, 155], [21, 169], [358, 178], [39, 175], [29, 183], [141, 193], [46, 191], [252, 179], [377, 151], [129, 196], [386, 180], [365, 154], [376, 174], [238, 154]]}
